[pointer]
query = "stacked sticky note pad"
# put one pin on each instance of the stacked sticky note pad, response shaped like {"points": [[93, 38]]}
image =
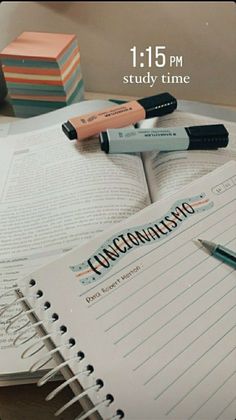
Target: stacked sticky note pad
{"points": [[42, 72]]}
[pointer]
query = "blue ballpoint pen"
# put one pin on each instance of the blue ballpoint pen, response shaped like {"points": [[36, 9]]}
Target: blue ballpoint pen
{"points": [[220, 252]]}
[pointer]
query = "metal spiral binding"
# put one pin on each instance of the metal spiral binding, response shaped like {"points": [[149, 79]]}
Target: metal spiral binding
{"points": [[18, 343], [28, 325], [43, 339], [88, 370], [18, 299], [11, 321], [96, 387], [5, 294], [33, 349], [49, 375], [105, 402], [9, 291], [49, 356], [15, 318], [13, 302], [118, 415]]}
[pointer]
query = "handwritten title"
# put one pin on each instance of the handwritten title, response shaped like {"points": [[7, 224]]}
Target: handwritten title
{"points": [[116, 247]]}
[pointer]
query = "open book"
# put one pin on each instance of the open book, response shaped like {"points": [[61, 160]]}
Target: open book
{"points": [[56, 195]]}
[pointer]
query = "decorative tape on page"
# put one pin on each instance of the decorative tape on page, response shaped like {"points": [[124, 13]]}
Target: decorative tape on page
{"points": [[116, 247]]}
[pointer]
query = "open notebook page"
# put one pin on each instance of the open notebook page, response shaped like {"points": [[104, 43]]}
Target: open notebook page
{"points": [[156, 319], [55, 195], [167, 172]]}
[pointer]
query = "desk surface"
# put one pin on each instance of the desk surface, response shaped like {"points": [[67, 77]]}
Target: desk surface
{"points": [[27, 402]]}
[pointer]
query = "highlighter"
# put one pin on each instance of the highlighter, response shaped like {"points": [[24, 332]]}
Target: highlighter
{"points": [[88, 125], [164, 139]]}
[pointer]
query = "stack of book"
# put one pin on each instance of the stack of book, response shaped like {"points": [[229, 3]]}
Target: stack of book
{"points": [[42, 72]]}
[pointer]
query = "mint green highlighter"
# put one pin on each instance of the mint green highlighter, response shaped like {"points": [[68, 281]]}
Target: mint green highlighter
{"points": [[130, 140]]}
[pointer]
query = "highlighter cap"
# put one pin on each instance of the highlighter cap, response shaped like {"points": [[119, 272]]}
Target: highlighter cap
{"points": [[207, 136], [104, 141], [158, 105]]}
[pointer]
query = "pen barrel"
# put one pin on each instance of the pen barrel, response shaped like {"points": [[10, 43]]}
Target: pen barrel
{"points": [[226, 255]]}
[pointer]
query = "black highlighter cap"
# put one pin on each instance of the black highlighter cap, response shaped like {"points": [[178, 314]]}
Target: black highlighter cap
{"points": [[69, 130], [207, 136], [104, 142], [158, 105]]}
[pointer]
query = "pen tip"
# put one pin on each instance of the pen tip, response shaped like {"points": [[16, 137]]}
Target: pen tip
{"points": [[197, 241]]}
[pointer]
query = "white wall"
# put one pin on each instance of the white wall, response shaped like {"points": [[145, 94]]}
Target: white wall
{"points": [[203, 32]]}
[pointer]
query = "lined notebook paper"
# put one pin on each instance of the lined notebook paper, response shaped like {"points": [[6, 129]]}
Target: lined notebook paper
{"points": [[151, 310]]}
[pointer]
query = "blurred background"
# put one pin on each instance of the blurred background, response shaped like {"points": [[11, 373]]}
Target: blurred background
{"points": [[204, 33]]}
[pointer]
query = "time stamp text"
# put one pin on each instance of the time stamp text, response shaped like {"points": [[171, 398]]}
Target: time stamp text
{"points": [[157, 58]]}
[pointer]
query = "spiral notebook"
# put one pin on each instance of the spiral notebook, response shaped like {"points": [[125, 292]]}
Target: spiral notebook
{"points": [[141, 320]]}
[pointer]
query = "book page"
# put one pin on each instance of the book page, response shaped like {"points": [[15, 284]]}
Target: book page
{"points": [[152, 311], [55, 195], [167, 172]]}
